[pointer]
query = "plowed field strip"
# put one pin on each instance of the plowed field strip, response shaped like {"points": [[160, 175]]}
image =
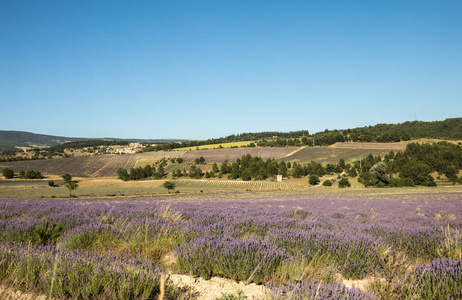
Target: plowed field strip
{"points": [[94, 174]]}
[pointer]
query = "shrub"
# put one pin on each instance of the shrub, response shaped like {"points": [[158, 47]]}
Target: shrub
{"points": [[169, 185], [344, 183], [8, 173], [327, 183], [314, 179]]}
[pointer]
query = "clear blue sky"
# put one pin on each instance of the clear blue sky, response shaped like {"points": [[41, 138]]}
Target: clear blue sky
{"points": [[204, 69]]}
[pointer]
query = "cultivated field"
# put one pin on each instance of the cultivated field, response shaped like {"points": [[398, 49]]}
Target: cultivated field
{"points": [[348, 151], [404, 243], [234, 185], [101, 187], [215, 146], [86, 166], [220, 155]]}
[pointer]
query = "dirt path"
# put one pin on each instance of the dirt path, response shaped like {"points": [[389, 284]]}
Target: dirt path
{"points": [[216, 286], [14, 294]]}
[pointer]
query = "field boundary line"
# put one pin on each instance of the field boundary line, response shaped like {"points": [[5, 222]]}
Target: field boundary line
{"points": [[105, 165], [293, 152]]}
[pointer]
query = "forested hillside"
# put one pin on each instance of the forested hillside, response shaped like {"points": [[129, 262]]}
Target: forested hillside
{"points": [[383, 133]]}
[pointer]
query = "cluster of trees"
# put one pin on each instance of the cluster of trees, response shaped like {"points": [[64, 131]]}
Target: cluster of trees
{"points": [[413, 166], [199, 161], [248, 168], [29, 174], [157, 170], [142, 172]]}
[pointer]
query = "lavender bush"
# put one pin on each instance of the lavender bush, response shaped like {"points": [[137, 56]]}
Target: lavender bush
{"points": [[115, 247]]}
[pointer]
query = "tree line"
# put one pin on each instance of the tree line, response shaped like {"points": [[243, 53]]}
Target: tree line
{"points": [[450, 129], [413, 166], [29, 174]]}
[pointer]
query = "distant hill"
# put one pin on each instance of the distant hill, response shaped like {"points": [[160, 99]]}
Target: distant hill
{"points": [[449, 129], [10, 139]]}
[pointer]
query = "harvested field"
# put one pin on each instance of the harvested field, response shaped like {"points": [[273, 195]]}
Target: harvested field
{"points": [[85, 166], [214, 146], [220, 155], [382, 146], [325, 155]]}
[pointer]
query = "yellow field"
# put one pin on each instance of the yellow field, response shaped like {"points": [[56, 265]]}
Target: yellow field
{"points": [[214, 146], [147, 160]]}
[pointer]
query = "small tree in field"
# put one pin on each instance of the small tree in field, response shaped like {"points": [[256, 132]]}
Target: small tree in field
{"points": [[71, 185], [67, 178], [8, 173], [169, 185]]}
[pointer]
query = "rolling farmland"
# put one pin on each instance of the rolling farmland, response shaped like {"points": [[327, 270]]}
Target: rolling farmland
{"points": [[85, 166], [220, 155], [107, 165]]}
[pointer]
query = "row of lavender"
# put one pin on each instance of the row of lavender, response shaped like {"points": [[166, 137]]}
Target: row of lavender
{"points": [[289, 244]]}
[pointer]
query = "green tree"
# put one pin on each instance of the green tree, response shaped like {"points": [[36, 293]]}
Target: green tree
{"points": [[342, 183], [200, 160], [314, 179], [122, 174], [169, 185], [379, 172], [179, 160], [341, 163], [71, 185], [67, 177], [225, 167], [160, 172], [451, 173], [8, 173], [327, 183], [30, 174], [418, 171]]}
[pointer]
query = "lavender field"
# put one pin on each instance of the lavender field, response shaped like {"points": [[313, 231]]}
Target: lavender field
{"points": [[299, 246]]}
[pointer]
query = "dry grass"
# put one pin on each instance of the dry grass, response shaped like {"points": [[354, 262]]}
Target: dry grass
{"points": [[216, 146], [384, 146], [145, 161]]}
